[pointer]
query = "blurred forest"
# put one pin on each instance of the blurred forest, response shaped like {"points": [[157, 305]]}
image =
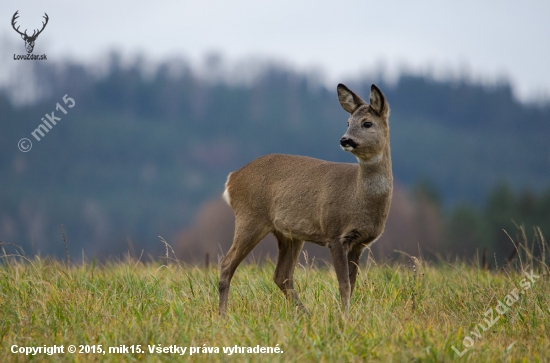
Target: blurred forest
{"points": [[146, 151]]}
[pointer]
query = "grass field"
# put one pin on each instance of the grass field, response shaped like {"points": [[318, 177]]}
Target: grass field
{"points": [[399, 312]]}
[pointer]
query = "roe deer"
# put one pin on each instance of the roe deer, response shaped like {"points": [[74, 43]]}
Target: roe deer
{"points": [[339, 205]]}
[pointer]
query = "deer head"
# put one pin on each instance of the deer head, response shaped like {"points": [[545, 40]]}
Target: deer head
{"points": [[29, 40]]}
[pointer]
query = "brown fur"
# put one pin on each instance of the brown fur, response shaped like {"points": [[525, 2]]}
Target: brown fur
{"points": [[297, 198]]}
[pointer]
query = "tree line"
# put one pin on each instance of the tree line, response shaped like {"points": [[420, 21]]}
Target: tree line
{"points": [[142, 150]]}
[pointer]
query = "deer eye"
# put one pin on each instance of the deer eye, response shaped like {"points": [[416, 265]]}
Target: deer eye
{"points": [[367, 124]]}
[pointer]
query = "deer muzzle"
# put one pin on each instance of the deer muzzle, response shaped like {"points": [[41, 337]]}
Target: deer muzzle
{"points": [[347, 143]]}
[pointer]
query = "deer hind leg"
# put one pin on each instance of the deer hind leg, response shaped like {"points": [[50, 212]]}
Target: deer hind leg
{"points": [[248, 233], [289, 251]]}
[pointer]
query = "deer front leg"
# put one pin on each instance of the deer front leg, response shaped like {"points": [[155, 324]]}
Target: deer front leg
{"points": [[353, 260], [340, 262]]}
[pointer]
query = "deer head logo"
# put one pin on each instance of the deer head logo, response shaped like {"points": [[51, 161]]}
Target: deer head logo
{"points": [[29, 40]]}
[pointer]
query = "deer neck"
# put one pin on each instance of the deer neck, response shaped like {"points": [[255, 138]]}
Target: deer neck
{"points": [[375, 174]]}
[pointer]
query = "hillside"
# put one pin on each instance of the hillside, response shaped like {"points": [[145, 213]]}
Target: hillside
{"points": [[139, 153]]}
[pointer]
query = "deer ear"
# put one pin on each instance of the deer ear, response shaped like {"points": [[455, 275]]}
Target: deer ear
{"points": [[378, 101], [349, 100]]}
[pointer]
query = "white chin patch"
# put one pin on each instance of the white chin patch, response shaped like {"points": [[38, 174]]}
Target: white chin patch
{"points": [[346, 148]]}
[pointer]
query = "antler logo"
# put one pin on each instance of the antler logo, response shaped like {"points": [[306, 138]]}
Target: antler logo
{"points": [[29, 40]]}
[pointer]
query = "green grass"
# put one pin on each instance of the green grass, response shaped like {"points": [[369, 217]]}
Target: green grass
{"points": [[398, 313]]}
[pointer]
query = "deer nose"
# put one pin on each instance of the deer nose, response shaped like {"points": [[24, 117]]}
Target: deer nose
{"points": [[346, 141]]}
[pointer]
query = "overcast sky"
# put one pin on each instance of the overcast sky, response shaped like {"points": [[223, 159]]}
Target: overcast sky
{"points": [[486, 39]]}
